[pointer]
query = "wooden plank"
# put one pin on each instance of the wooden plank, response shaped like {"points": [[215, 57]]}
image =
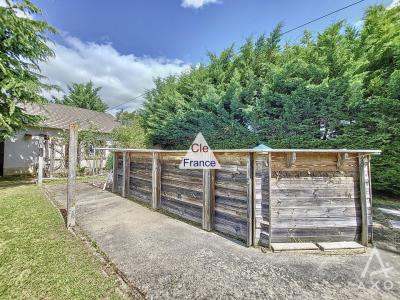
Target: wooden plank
{"points": [[269, 200], [182, 200], [189, 212], [182, 152], [330, 246], [316, 212], [231, 212], [312, 162], [156, 180], [254, 237], [231, 225], [363, 200], [71, 187], [52, 158], [249, 240], [370, 221], [279, 247], [40, 164], [208, 198]]}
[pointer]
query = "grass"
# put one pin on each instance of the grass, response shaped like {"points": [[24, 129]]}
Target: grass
{"points": [[39, 258]]}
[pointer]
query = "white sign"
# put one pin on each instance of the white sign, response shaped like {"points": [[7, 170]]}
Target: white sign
{"points": [[199, 156]]}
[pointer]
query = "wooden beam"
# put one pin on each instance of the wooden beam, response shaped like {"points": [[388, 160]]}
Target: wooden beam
{"points": [[208, 199], [52, 158], [40, 162], [341, 157], [125, 174], [156, 180], [115, 172], [290, 159], [254, 197], [72, 162], [251, 150], [363, 172], [370, 191], [269, 202], [250, 200]]}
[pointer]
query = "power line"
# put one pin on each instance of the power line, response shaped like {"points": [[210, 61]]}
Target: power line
{"points": [[324, 16], [283, 33], [123, 103]]}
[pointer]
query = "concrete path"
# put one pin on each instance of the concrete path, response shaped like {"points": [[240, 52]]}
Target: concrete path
{"points": [[169, 259]]}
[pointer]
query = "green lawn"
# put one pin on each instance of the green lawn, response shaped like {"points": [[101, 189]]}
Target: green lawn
{"points": [[39, 258]]}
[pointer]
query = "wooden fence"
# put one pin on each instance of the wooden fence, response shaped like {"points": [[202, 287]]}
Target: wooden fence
{"points": [[258, 197]]}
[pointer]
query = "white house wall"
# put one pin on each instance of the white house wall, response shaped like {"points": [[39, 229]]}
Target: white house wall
{"points": [[20, 152]]}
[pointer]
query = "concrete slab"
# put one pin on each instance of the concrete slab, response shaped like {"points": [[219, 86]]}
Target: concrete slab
{"points": [[395, 224], [279, 247], [333, 246], [169, 259], [393, 212]]}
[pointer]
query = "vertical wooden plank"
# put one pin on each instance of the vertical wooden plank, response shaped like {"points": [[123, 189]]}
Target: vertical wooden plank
{"points": [[72, 161], [52, 158], [156, 180], [94, 165], [125, 173], [363, 199], [208, 199], [370, 192], [40, 162], [255, 156], [269, 200], [249, 199], [115, 172]]}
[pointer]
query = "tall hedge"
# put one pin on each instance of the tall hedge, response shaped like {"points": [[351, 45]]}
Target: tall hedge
{"points": [[340, 89]]}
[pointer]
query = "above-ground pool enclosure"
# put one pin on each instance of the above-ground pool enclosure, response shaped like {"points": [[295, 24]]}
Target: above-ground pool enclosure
{"points": [[258, 197]]}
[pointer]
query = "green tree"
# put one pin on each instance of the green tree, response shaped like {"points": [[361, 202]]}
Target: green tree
{"points": [[23, 45], [339, 89], [131, 134], [83, 95]]}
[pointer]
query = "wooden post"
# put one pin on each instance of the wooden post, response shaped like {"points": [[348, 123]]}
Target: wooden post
{"points": [[249, 199], [39, 180], [126, 174], [94, 166], [208, 199], [269, 201], [370, 194], [115, 172], [52, 158], [72, 160], [363, 199], [156, 181], [255, 157]]}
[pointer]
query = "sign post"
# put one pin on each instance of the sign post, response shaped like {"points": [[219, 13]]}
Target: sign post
{"points": [[40, 163], [72, 160]]}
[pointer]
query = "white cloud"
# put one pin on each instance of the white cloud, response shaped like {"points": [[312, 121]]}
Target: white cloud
{"points": [[122, 77], [393, 4], [197, 3], [19, 12]]}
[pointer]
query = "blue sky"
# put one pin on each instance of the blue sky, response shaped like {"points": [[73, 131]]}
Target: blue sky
{"points": [[103, 40]]}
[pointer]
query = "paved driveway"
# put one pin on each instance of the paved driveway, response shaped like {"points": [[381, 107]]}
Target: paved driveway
{"points": [[169, 259]]}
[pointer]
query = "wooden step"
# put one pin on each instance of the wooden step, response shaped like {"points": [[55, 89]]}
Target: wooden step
{"points": [[279, 247], [335, 246]]}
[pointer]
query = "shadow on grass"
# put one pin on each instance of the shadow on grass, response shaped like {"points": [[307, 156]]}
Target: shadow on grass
{"points": [[15, 181]]}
